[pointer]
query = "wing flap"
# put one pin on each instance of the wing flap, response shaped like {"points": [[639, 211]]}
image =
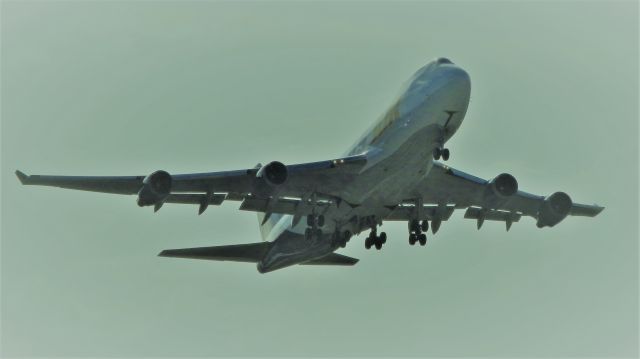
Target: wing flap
{"points": [[284, 205], [192, 198], [492, 214], [407, 212]]}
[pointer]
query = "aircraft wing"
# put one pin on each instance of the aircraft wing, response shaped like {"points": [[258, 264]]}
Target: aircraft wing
{"points": [[252, 253], [253, 186], [497, 199]]}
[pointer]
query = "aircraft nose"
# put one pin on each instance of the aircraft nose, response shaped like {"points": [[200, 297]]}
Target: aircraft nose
{"points": [[456, 79], [457, 74]]}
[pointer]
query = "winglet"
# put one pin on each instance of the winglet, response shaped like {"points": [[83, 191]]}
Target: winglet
{"points": [[22, 177]]}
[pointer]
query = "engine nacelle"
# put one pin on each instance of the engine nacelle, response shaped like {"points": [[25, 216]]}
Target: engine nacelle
{"points": [[155, 189], [554, 209], [274, 173], [504, 185]]}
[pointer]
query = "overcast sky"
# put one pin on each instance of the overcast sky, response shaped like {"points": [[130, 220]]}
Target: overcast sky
{"points": [[126, 88]]}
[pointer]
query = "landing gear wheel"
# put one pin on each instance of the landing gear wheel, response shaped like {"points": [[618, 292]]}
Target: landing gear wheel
{"points": [[318, 233], [345, 238], [445, 154], [414, 226], [367, 243], [320, 221], [424, 226], [412, 239], [437, 153], [423, 239], [310, 220], [383, 238], [378, 245], [308, 233]]}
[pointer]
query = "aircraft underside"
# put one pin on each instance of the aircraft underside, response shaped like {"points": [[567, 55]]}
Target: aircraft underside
{"points": [[392, 173]]}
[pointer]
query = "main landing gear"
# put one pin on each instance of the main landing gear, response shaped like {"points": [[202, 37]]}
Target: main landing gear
{"points": [[375, 240], [341, 239], [441, 152], [313, 223], [416, 232]]}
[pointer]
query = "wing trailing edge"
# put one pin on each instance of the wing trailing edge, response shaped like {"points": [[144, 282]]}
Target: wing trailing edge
{"points": [[333, 259]]}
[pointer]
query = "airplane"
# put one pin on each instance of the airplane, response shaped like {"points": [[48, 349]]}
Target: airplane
{"points": [[393, 172]]}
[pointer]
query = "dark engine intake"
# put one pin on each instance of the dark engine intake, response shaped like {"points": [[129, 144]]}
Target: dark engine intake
{"points": [[554, 209], [155, 189], [504, 185], [274, 173]]}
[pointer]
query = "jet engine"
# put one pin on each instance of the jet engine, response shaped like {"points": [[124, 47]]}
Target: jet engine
{"points": [[274, 173], [554, 209], [504, 185], [155, 189]]}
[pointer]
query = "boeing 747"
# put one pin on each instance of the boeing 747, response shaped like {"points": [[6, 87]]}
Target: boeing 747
{"points": [[394, 172]]}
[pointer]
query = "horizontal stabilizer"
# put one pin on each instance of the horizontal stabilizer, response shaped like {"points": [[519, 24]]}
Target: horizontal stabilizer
{"points": [[22, 177], [578, 209], [333, 259], [252, 252]]}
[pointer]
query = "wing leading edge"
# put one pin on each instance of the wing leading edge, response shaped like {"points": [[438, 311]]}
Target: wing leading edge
{"points": [[253, 186], [498, 199]]}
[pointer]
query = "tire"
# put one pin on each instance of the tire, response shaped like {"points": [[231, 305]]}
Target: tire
{"points": [[320, 221], [336, 238], [424, 226], [310, 220], [412, 239], [307, 233], [378, 245], [423, 239], [318, 233], [436, 153], [414, 226], [367, 243], [445, 154], [383, 238]]}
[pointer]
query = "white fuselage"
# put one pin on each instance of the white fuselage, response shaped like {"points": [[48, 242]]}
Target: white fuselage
{"points": [[399, 151]]}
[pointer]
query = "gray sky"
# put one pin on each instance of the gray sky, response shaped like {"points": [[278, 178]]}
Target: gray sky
{"points": [[124, 88]]}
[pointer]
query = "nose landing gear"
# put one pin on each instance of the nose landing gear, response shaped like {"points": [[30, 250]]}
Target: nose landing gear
{"points": [[441, 152]]}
